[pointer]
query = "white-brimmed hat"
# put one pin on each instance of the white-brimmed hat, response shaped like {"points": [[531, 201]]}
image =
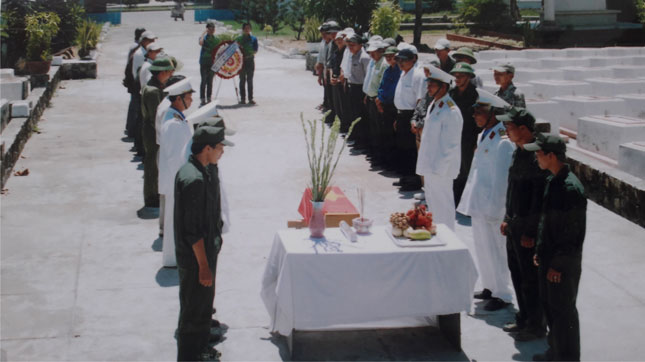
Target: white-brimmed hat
{"points": [[148, 35], [153, 47], [376, 45], [179, 88], [206, 112], [439, 75], [487, 99], [404, 45], [441, 44]]}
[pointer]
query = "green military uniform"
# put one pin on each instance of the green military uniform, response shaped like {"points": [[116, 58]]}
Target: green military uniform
{"points": [[249, 45], [197, 216], [524, 194], [561, 233], [151, 96], [512, 95]]}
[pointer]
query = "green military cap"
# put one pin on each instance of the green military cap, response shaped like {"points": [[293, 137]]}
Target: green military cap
{"points": [[518, 116], [161, 64], [465, 52], [505, 68], [462, 67], [211, 136], [547, 142], [391, 50]]}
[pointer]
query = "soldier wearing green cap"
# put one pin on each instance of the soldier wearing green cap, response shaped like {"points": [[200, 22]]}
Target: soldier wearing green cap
{"points": [[465, 95], [523, 205], [561, 233], [198, 229], [161, 69], [504, 75], [466, 55]]}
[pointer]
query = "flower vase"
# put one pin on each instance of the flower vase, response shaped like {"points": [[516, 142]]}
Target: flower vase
{"points": [[317, 221]]}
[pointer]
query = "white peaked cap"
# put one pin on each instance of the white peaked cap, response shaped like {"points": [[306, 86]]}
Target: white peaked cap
{"points": [[442, 43], [404, 45], [204, 113], [179, 88], [438, 74], [489, 99]]}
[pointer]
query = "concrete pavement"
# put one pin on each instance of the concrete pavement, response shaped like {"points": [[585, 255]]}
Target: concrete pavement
{"points": [[81, 274]]}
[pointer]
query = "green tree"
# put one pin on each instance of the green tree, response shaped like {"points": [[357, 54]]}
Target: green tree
{"points": [[487, 14], [354, 13], [296, 15], [386, 20]]}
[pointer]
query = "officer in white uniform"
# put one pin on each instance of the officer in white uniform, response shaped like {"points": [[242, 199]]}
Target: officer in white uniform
{"points": [[175, 134], [484, 199], [440, 150]]}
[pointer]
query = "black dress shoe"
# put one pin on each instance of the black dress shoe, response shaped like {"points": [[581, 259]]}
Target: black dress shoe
{"points": [[528, 334], [495, 304], [484, 294], [215, 323], [214, 338]]}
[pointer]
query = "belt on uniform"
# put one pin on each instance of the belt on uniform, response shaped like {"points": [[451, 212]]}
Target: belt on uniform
{"points": [[355, 84]]}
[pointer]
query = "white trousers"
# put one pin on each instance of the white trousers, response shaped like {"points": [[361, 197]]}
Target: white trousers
{"points": [[169, 259], [440, 200], [490, 251]]}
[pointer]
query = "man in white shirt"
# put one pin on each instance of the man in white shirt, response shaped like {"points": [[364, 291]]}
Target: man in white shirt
{"points": [[484, 200], [440, 148], [409, 91], [144, 76], [175, 134]]}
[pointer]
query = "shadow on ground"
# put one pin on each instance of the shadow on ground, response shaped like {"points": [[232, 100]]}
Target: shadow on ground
{"points": [[167, 277], [411, 344]]}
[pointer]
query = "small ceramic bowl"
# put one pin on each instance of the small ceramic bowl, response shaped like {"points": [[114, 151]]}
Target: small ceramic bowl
{"points": [[362, 225]]}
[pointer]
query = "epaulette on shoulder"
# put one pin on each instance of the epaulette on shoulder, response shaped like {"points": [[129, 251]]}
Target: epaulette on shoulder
{"points": [[450, 104]]}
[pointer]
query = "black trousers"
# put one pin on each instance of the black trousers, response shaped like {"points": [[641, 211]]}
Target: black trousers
{"points": [[134, 122], [348, 112], [524, 275], [338, 96], [360, 133], [206, 85], [375, 127], [246, 77], [195, 314], [468, 145], [328, 101], [388, 136], [406, 144], [559, 302]]}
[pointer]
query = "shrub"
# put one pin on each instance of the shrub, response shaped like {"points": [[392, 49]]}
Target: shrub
{"points": [[41, 27], [487, 14], [386, 20], [296, 15], [312, 34], [356, 13], [87, 37]]}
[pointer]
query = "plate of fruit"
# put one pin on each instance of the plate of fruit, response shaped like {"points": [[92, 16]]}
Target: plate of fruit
{"points": [[414, 228]]}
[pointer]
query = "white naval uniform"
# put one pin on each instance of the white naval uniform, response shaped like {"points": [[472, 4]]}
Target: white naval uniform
{"points": [[176, 132], [484, 199], [440, 158]]}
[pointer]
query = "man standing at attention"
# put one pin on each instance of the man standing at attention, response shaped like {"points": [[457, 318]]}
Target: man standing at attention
{"points": [[523, 206], [249, 45], [507, 91], [198, 240], [484, 198], [561, 233], [161, 69], [208, 41]]}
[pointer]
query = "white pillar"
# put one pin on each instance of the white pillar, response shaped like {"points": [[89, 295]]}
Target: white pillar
{"points": [[549, 10]]}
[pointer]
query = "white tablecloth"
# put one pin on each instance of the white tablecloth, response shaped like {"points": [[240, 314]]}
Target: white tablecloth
{"points": [[313, 285]]}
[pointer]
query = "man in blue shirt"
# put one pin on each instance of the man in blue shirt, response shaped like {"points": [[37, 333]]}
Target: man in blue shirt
{"points": [[385, 105], [249, 45]]}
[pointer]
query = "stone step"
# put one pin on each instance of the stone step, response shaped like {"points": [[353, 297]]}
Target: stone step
{"points": [[604, 134], [635, 104], [627, 71], [539, 53], [526, 75], [581, 73], [631, 158], [571, 108], [544, 109], [559, 62], [607, 86], [555, 88], [604, 61], [637, 60]]}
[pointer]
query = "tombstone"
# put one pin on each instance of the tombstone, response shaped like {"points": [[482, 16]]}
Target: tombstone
{"points": [[546, 89], [631, 158], [529, 74], [580, 13], [628, 71], [571, 108], [604, 134], [580, 73], [635, 104], [559, 62], [13, 88], [545, 109], [607, 86]]}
